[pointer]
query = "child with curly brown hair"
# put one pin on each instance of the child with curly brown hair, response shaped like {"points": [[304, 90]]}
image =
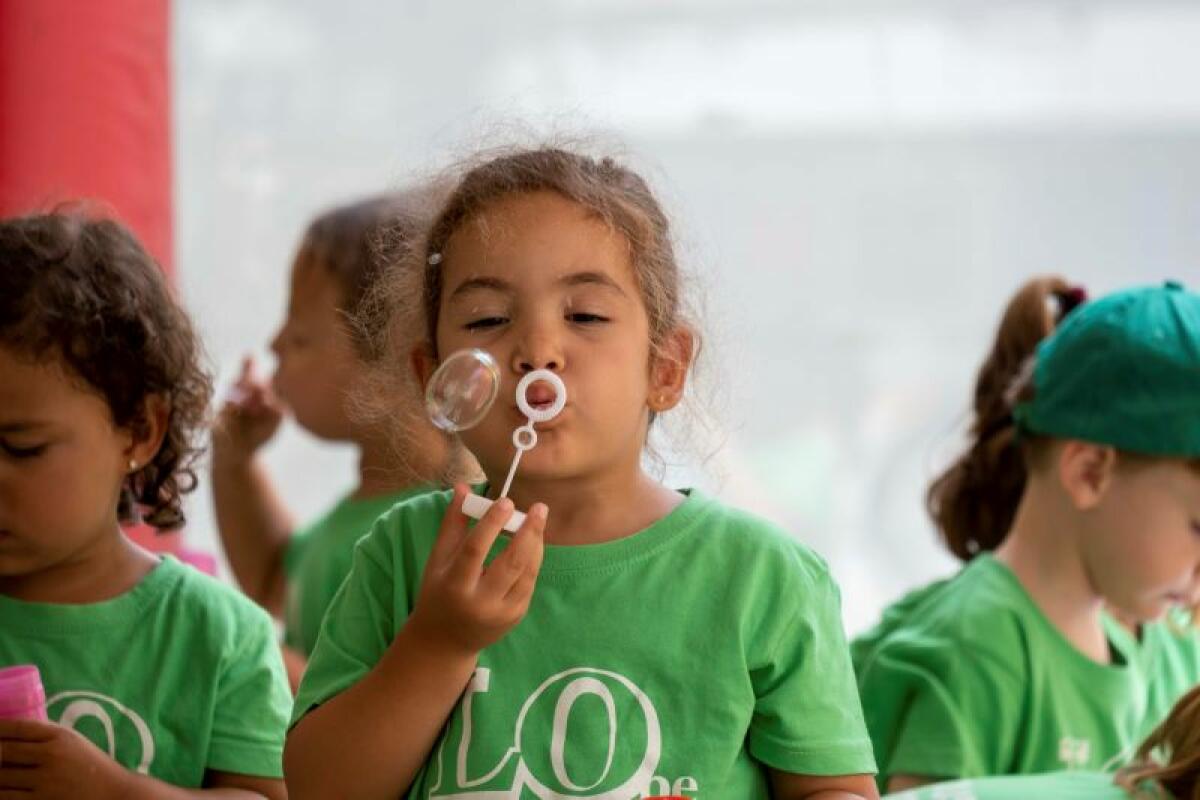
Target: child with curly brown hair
{"points": [[159, 681]]}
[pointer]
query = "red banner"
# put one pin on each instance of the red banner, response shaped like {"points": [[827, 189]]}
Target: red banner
{"points": [[85, 110]]}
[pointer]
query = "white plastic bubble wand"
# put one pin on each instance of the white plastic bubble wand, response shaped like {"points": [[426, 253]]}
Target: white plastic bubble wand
{"points": [[449, 395], [523, 438]]}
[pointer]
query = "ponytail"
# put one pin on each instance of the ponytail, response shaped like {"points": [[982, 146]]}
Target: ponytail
{"points": [[974, 500]]}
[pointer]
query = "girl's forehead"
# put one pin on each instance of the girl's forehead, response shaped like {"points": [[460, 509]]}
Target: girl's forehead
{"points": [[534, 221], [314, 284], [539, 237], [44, 390]]}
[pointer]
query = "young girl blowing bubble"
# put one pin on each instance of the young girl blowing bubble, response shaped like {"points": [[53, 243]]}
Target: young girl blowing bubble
{"points": [[159, 681], [629, 640], [1079, 495]]}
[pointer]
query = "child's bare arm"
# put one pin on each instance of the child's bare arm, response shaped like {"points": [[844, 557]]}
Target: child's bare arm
{"points": [[789, 786], [898, 783], [255, 529], [253, 522], [52, 761], [372, 739], [239, 787]]}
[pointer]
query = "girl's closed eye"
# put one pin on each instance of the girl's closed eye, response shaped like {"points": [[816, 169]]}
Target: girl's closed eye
{"points": [[590, 308], [586, 317], [13, 451], [485, 322]]}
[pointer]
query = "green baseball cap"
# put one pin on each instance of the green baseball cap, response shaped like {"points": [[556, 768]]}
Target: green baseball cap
{"points": [[1124, 371]]}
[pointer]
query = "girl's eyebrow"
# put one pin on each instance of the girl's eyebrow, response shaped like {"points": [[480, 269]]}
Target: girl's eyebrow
{"points": [[592, 278], [499, 285], [22, 426], [480, 284]]}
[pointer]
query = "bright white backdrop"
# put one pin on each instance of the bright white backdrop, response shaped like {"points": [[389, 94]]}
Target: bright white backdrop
{"points": [[860, 185]]}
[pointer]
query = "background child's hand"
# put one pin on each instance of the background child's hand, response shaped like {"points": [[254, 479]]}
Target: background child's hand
{"points": [[249, 416], [52, 762], [464, 605]]}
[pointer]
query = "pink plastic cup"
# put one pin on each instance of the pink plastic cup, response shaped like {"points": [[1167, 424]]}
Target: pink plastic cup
{"points": [[21, 693]]}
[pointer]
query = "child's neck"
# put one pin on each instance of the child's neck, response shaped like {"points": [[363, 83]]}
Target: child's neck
{"points": [[1042, 551], [599, 509], [379, 473], [107, 568]]}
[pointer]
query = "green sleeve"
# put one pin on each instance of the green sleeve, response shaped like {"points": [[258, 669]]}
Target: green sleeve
{"points": [[956, 709], [359, 626], [252, 705], [895, 616], [807, 716]]}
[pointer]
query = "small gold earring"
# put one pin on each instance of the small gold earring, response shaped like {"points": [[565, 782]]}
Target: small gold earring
{"points": [[133, 465]]}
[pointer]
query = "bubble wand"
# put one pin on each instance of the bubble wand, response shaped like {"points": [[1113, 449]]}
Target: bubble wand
{"points": [[461, 392]]}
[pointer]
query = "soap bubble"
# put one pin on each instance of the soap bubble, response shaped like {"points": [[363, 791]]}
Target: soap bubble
{"points": [[462, 390]]}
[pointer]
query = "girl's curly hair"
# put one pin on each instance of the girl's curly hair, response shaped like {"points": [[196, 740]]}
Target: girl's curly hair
{"points": [[83, 291]]}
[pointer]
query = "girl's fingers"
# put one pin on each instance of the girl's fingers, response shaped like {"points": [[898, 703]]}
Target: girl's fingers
{"points": [[20, 754], [26, 730], [247, 373], [16, 783], [478, 541], [452, 529], [522, 589], [523, 556], [255, 400], [240, 388], [248, 387], [243, 394]]}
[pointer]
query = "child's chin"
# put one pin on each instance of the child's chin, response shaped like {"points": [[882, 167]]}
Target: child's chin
{"points": [[13, 566], [1155, 610]]}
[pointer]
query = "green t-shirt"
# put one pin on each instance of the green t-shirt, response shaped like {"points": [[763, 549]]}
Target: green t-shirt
{"points": [[1051, 786], [1170, 657], [179, 675], [967, 678], [678, 660], [318, 559]]}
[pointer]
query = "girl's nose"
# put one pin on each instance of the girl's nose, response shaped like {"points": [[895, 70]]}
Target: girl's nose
{"points": [[524, 366], [537, 350]]}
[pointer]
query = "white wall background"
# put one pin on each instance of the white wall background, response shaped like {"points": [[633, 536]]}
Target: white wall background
{"points": [[860, 183]]}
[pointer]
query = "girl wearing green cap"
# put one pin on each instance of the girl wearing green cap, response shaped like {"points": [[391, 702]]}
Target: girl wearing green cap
{"points": [[1080, 491], [1167, 767]]}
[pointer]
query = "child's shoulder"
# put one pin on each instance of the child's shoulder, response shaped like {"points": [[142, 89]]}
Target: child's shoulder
{"points": [[418, 508], [406, 531], [417, 517], [744, 538], [981, 609], [206, 606]]}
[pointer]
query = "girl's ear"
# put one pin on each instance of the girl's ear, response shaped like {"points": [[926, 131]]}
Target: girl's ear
{"points": [[1086, 471], [669, 370], [422, 362], [147, 431]]}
